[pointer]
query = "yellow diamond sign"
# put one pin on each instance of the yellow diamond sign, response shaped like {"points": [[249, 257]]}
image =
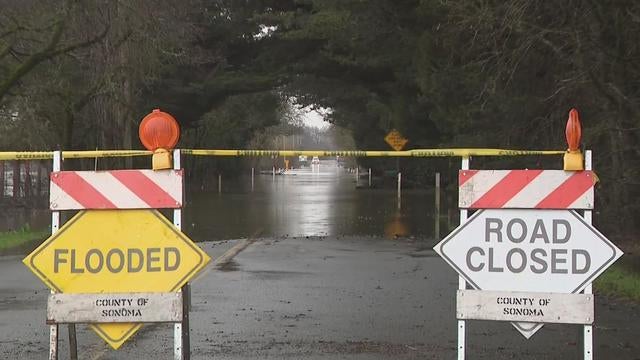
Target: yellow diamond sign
{"points": [[116, 251], [395, 140]]}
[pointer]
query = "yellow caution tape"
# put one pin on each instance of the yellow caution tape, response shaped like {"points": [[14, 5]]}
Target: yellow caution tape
{"points": [[26, 155], [104, 154], [361, 153], [42, 155], [38, 155]]}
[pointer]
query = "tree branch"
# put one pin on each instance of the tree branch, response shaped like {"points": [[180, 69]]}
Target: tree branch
{"points": [[6, 51], [78, 45], [47, 53]]}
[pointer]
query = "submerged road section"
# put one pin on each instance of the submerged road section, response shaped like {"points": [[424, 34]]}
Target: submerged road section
{"points": [[317, 298]]}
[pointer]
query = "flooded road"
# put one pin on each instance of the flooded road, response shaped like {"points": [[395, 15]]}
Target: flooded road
{"points": [[318, 201], [309, 201]]}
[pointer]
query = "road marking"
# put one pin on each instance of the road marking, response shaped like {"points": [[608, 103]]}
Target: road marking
{"points": [[225, 258]]}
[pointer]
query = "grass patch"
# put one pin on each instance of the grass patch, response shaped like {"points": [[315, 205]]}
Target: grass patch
{"points": [[620, 281], [17, 238]]}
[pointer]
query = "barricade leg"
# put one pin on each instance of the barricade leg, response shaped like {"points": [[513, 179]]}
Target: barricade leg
{"points": [[55, 225], [462, 284], [177, 341], [588, 329], [186, 341], [181, 345], [73, 342], [53, 342]]}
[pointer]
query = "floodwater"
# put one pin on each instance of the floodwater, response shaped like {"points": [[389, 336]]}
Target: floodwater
{"points": [[311, 201]]}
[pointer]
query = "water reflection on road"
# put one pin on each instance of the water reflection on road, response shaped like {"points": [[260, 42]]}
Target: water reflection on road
{"points": [[306, 202]]}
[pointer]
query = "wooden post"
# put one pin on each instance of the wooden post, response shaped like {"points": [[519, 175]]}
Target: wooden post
{"points": [[252, 180], [1, 179], [73, 342], [39, 175], [437, 208], [16, 179], [399, 185], [27, 179], [369, 177], [219, 183], [186, 339]]}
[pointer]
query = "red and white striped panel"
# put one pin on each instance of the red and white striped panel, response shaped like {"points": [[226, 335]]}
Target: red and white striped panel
{"points": [[526, 189], [116, 189]]}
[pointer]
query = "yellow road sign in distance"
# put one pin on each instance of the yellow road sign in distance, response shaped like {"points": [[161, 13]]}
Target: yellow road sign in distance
{"points": [[395, 140], [115, 251]]}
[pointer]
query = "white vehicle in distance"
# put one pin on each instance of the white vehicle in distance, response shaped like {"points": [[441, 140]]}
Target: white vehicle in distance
{"points": [[315, 160]]}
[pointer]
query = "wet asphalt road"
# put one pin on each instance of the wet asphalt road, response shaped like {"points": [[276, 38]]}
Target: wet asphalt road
{"points": [[318, 298]]}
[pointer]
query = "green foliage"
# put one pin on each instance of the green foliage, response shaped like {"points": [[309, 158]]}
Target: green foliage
{"points": [[229, 125], [22, 236], [619, 281]]}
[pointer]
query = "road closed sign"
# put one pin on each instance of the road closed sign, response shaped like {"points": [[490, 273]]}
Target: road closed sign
{"points": [[528, 250], [117, 251]]}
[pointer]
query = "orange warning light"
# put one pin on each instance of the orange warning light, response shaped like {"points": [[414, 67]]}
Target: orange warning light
{"points": [[573, 131], [573, 159], [159, 132]]}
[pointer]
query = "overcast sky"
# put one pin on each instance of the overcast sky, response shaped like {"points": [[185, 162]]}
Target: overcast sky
{"points": [[313, 118]]}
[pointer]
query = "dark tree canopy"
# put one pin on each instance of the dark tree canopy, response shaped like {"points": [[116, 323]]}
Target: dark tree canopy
{"points": [[456, 74]]}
